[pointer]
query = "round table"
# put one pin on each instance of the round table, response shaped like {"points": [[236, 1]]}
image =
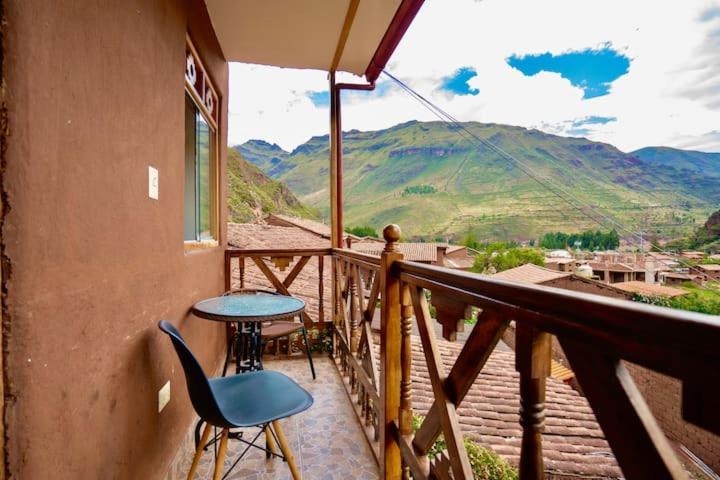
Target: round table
{"points": [[248, 311]]}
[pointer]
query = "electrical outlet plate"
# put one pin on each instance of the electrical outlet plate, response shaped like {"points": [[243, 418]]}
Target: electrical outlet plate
{"points": [[163, 396], [153, 183]]}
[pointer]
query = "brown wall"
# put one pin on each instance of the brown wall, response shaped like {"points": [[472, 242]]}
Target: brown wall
{"points": [[663, 395], [588, 286], [95, 95]]}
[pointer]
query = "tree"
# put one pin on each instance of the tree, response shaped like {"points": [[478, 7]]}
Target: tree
{"points": [[362, 231], [589, 240], [499, 257]]}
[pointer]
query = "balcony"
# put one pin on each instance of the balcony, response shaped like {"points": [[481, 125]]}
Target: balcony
{"points": [[389, 355]]}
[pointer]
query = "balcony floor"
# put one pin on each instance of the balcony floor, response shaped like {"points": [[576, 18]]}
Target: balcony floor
{"points": [[327, 439]]}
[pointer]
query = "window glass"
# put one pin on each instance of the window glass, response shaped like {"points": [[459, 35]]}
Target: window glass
{"points": [[199, 199], [204, 186]]}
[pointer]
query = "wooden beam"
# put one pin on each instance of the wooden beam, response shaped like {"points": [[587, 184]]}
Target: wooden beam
{"points": [[335, 166], [344, 33]]}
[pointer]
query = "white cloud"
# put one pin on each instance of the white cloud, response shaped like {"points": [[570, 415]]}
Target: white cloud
{"points": [[668, 97]]}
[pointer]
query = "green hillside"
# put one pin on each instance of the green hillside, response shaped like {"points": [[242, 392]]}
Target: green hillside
{"points": [[252, 195], [687, 161], [432, 181]]}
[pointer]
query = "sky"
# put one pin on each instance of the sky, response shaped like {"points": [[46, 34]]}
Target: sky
{"points": [[631, 73]]}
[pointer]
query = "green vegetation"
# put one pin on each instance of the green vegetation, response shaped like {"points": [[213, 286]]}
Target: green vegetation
{"points": [[588, 240], [419, 190], [252, 195], [499, 256], [485, 464], [480, 192], [705, 238], [702, 300], [362, 231]]}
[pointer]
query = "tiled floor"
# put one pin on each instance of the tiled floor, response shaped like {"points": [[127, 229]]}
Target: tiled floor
{"points": [[326, 439]]}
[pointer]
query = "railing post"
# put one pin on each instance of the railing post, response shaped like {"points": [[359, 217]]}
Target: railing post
{"points": [[321, 292], [228, 270], [355, 313], [406, 412], [390, 374], [532, 360], [241, 271]]}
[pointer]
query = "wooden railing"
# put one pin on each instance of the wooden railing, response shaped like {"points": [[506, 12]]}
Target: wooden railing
{"points": [[596, 333], [282, 259]]}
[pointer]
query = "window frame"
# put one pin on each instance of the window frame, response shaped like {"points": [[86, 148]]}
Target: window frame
{"points": [[208, 106]]}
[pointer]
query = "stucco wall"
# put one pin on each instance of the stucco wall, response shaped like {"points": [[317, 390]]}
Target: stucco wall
{"points": [[95, 95], [663, 395]]}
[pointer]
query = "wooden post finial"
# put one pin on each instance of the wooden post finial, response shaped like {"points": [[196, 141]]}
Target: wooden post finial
{"points": [[391, 234]]}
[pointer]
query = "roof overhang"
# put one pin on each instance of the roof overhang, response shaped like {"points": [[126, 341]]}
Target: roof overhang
{"points": [[333, 35]]}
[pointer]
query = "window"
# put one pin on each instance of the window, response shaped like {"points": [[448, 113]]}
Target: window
{"points": [[201, 184]]}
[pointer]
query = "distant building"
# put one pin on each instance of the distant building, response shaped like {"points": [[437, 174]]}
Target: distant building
{"points": [[430, 253], [678, 278], [711, 271], [615, 272], [459, 257], [649, 289], [561, 264], [692, 255], [536, 275]]}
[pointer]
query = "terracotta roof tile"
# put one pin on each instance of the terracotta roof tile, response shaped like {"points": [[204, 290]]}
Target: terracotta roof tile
{"points": [[573, 443], [709, 267], [312, 226], [254, 236], [615, 267], [649, 289], [416, 252], [530, 273]]}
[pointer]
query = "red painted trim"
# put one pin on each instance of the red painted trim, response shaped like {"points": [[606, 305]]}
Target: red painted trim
{"points": [[335, 89], [401, 21]]}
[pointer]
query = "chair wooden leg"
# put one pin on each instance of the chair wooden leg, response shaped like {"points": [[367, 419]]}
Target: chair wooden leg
{"points": [[199, 451], [269, 442], [287, 453], [222, 451]]}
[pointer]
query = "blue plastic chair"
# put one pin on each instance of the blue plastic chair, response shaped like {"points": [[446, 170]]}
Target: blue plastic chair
{"points": [[252, 399]]}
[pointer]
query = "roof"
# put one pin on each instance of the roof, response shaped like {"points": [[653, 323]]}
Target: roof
{"points": [[461, 263], [680, 275], [455, 248], [710, 267], [559, 260], [305, 285], [416, 252], [573, 443], [643, 288], [530, 273], [615, 267], [254, 236], [318, 228], [331, 35]]}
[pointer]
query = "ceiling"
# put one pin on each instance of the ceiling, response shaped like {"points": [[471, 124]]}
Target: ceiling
{"points": [[309, 33]]}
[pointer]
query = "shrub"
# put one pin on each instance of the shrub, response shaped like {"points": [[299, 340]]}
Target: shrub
{"points": [[485, 464], [419, 190], [362, 231]]}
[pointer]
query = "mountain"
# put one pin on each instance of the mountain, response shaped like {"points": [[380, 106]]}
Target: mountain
{"points": [[688, 161], [252, 195], [707, 237], [428, 178]]}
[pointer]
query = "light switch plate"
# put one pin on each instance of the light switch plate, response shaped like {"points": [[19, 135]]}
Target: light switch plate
{"points": [[153, 183], [163, 396]]}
